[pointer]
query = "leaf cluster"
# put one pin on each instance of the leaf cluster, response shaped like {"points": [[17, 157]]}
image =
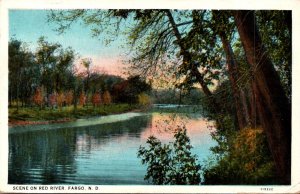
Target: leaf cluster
{"points": [[171, 163]]}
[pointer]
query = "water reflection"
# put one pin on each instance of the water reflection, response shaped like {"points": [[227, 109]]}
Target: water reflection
{"points": [[38, 157], [98, 154]]}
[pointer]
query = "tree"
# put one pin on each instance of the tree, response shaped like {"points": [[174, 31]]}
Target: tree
{"points": [[222, 26], [106, 97], [50, 67], [144, 99], [82, 99], [156, 31], [158, 35], [276, 34], [62, 72], [55, 65], [273, 106], [69, 97], [52, 99], [187, 63], [96, 99], [60, 98], [87, 64], [38, 97], [46, 57], [195, 43], [171, 164], [136, 85], [128, 90], [24, 74]]}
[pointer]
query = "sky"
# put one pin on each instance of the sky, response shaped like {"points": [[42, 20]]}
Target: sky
{"points": [[29, 25]]}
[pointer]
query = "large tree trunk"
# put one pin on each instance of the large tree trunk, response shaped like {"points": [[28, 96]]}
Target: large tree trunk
{"points": [[245, 106], [200, 80], [233, 77], [274, 110], [254, 118]]}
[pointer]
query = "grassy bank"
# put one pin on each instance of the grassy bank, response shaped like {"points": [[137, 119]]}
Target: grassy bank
{"points": [[32, 114]]}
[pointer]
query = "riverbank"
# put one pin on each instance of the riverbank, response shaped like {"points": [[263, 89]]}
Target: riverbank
{"points": [[34, 116]]}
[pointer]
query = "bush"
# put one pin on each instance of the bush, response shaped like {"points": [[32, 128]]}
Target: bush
{"points": [[144, 99], [106, 98], [245, 160], [171, 164]]}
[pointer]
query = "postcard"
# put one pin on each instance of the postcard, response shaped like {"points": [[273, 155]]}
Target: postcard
{"points": [[149, 97]]}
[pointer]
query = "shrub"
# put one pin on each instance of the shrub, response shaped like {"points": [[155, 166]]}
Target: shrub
{"points": [[246, 160], [82, 99], [52, 99], [144, 99], [171, 163], [106, 97], [96, 99], [60, 99], [69, 97], [38, 97]]}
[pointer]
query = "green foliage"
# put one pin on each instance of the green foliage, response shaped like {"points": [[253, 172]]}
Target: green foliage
{"points": [[96, 99], [194, 96], [185, 44], [24, 73], [275, 30], [50, 67], [241, 158], [106, 97], [144, 99], [55, 64], [128, 90], [225, 115], [38, 97], [171, 164]]}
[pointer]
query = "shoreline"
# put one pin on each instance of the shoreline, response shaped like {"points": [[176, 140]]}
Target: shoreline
{"points": [[23, 122], [17, 123], [81, 122]]}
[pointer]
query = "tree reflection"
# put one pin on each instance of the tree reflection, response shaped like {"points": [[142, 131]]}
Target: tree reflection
{"points": [[49, 156]]}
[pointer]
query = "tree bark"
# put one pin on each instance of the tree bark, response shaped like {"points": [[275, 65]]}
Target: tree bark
{"points": [[245, 107], [254, 118], [274, 110], [233, 77]]}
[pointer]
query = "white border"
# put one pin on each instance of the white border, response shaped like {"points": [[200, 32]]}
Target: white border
{"points": [[293, 5]]}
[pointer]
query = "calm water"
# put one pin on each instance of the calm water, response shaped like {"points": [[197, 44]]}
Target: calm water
{"points": [[96, 151]]}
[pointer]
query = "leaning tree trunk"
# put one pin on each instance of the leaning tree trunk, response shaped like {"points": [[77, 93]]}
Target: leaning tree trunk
{"points": [[187, 59], [246, 106], [241, 111], [274, 110]]}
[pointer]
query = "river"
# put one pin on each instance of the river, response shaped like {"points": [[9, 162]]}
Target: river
{"points": [[99, 150]]}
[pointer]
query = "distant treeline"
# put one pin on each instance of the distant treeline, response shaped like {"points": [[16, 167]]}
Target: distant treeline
{"points": [[48, 77], [176, 96]]}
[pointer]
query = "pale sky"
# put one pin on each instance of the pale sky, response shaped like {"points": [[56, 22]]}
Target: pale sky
{"points": [[29, 25]]}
